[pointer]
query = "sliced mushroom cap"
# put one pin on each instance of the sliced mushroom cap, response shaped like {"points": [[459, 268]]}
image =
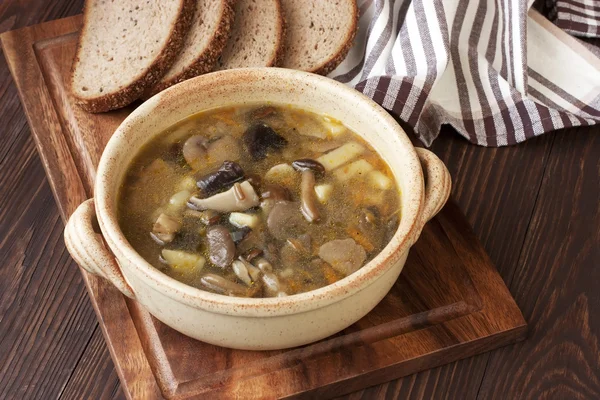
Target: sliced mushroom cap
{"points": [[260, 139], [241, 271], [275, 192], [251, 254], [222, 285], [253, 271], [255, 180], [272, 284], [164, 229], [228, 173], [194, 151], [239, 198], [285, 220], [306, 164], [254, 239], [308, 197], [221, 248], [263, 264], [344, 255]]}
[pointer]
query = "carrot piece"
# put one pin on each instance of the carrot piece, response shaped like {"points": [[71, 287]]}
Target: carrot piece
{"points": [[360, 239], [330, 274], [226, 119]]}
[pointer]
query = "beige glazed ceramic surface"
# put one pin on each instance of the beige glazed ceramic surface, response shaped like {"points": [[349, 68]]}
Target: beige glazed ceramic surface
{"points": [[243, 323]]}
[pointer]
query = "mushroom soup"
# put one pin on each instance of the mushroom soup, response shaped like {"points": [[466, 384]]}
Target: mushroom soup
{"points": [[258, 201]]}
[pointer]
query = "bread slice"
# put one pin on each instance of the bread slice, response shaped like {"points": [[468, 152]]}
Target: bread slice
{"points": [[125, 47], [257, 36], [319, 33], [208, 35]]}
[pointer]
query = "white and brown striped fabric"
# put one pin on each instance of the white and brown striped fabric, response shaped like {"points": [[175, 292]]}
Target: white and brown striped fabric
{"points": [[494, 71], [578, 17]]}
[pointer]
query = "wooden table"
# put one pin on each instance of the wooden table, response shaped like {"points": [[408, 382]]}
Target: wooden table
{"points": [[535, 207]]}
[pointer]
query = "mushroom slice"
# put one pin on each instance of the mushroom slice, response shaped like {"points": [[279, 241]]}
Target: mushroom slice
{"points": [[308, 197], [252, 270], [164, 229], [344, 255], [284, 220], [221, 248], [194, 151], [239, 198], [310, 169], [263, 264], [228, 173], [241, 271], [275, 192], [221, 285], [272, 284], [252, 254], [260, 139], [306, 164]]}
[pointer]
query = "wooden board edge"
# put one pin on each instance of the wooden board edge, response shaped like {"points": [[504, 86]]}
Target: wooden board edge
{"points": [[412, 366], [495, 292], [19, 44], [48, 136]]}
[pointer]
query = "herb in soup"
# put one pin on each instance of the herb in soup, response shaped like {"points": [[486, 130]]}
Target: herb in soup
{"points": [[258, 201]]}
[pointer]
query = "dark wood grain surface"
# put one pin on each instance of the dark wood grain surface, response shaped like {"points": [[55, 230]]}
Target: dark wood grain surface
{"points": [[534, 207]]}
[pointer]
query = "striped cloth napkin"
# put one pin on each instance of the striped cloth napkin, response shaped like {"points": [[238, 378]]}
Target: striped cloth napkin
{"points": [[578, 17], [496, 71]]}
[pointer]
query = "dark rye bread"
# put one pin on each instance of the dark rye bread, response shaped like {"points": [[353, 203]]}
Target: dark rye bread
{"points": [[257, 37], [319, 33], [126, 47], [204, 44]]}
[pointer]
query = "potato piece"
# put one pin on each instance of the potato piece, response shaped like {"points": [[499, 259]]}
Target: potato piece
{"points": [[341, 155], [323, 192], [178, 201], [333, 127], [283, 174], [240, 220], [183, 261], [379, 180], [187, 183], [360, 167]]}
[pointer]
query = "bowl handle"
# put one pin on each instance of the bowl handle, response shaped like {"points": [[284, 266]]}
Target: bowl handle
{"points": [[87, 247], [437, 184]]}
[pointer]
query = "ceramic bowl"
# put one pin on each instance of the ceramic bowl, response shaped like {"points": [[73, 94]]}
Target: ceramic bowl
{"points": [[248, 323]]}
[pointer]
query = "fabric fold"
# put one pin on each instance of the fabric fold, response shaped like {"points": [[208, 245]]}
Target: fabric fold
{"points": [[494, 70]]}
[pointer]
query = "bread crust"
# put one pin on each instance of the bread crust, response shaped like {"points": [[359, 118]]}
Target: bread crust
{"points": [[280, 52], [155, 71], [206, 61], [337, 58]]}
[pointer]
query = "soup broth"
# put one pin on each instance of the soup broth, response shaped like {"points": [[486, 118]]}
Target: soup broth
{"points": [[258, 201]]}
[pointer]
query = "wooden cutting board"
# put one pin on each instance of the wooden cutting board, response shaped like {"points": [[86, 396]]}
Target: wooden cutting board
{"points": [[449, 302]]}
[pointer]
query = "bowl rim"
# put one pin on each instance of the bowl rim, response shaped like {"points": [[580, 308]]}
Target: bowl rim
{"points": [[399, 244]]}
